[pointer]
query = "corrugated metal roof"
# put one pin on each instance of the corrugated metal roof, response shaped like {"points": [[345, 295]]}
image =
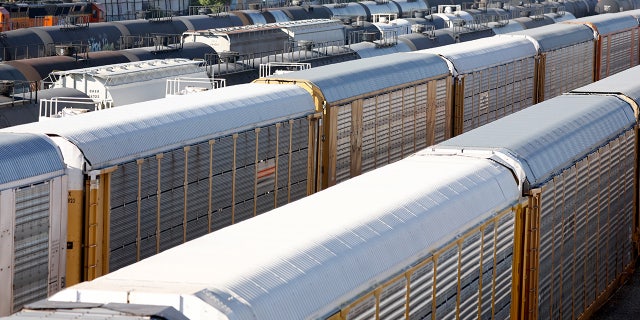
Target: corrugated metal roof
{"points": [[27, 157], [551, 136], [117, 74], [499, 28], [343, 80], [555, 36], [625, 82], [482, 53], [115, 135], [357, 233], [370, 49], [611, 22]]}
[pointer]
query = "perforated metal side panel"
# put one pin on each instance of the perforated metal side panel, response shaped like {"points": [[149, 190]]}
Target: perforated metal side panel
{"points": [[619, 52], [563, 72], [585, 229], [462, 289], [31, 268], [395, 124], [176, 187], [492, 93]]}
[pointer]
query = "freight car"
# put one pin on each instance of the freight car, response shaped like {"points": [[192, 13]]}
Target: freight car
{"points": [[126, 83], [533, 216], [362, 110], [244, 68], [26, 15], [38, 69], [150, 176]]}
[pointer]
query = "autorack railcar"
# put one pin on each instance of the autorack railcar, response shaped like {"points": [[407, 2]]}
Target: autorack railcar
{"points": [[531, 216], [370, 119]]}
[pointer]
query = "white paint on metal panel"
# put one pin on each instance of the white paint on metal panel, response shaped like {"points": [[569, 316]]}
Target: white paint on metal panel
{"points": [[7, 227], [57, 233], [131, 82], [610, 22], [483, 53], [403, 209], [499, 28], [115, 135], [26, 159], [581, 123], [555, 36]]}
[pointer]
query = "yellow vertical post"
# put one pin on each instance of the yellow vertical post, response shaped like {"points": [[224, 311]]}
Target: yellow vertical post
{"points": [[92, 225], [519, 274], [356, 138], [458, 107], [97, 226], [531, 258], [539, 78], [75, 235], [331, 142]]}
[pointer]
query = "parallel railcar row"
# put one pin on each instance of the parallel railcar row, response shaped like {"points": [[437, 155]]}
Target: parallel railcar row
{"points": [[239, 68], [41, 41], [15, 16], [145, 178], [278, 39], [533, 216]]}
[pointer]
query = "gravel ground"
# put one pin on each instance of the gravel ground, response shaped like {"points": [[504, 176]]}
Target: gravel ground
{"points": [[625, 303]]}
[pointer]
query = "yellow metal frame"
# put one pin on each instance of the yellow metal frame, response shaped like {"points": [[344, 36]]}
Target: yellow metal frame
{"points": [[96, 225], [375, 292]]}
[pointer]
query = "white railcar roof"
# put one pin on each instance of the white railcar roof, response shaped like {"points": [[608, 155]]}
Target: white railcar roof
{"points": [[311, 24], [357, 77], [480, 54], [305, 259], [511, 26], [122, 134], [370, 49], [555, 36], [26, 159], [625, 82], [552, 135], [610, 22], [121, 73]]}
